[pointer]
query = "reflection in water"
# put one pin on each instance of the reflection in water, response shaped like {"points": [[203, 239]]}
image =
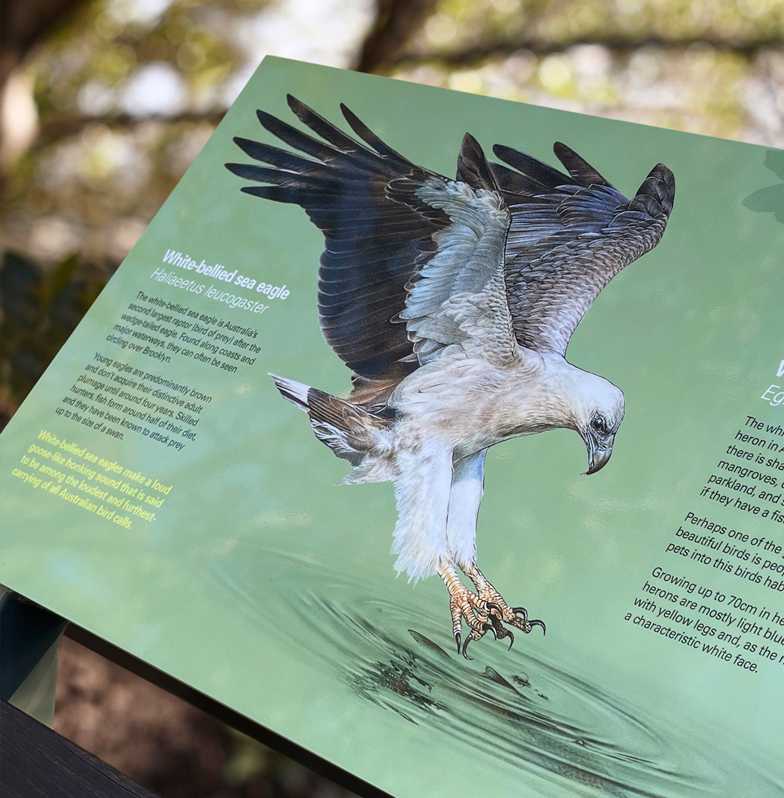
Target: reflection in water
{"points": [[523, 712], [526, 714], [771, 198]]}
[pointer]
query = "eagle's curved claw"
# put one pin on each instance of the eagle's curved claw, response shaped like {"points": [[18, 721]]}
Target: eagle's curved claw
{"points": [[475, 635], [483, 611], [498, 629], [507, 633], [499, 612]]}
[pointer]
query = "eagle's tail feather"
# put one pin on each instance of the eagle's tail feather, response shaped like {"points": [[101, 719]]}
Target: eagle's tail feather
{"points": [[351, 431], [295, 392]]}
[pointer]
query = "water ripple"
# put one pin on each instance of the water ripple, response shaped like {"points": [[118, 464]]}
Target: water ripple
{"points": [[521, 710]]}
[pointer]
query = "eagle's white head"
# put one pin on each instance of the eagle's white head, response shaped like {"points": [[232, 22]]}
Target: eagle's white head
{"points": [[597, 412]]}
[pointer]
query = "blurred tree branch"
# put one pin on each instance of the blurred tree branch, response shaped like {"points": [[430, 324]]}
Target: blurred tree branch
{"points": [[396, 21], [60, 126], [540, 47]]}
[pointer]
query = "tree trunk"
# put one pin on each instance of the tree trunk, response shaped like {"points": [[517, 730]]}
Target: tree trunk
{"points": [[396, 22], [23, 23]]}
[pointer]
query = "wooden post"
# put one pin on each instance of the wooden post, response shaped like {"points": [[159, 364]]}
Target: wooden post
{"points": [[29, 636]]}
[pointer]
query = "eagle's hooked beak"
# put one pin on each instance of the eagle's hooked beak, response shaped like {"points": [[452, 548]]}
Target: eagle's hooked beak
{"points": [[598, 454]]}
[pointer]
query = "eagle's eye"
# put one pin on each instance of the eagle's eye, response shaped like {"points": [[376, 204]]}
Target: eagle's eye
{"points": [[599, 423]]}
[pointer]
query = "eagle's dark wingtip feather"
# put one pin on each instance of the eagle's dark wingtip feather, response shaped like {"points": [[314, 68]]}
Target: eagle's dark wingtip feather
{"points": [[658, 186], [542, 175], [234, 168], [360, 128], [266, 119], [248, 146], [472, 166], [303, 112], [353, 120], [564, 153], [297, 107], [579, 169], [348, 114], [242, 142], [265, 192], [369, 137], [471, 148], [502, 151], [664, 173]]}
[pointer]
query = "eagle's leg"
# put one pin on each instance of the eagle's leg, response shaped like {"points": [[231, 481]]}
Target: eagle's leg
{"points": [[464, 605], [493, 604]]}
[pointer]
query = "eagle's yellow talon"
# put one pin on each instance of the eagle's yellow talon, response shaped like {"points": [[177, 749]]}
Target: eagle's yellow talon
{"points": [[483, 611]]}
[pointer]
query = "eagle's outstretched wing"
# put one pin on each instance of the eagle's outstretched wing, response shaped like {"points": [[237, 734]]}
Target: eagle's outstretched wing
{"points": [[413, 261], [569, 236]]}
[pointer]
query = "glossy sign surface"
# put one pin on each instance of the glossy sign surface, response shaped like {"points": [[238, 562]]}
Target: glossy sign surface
{"points": [[242, 566]]}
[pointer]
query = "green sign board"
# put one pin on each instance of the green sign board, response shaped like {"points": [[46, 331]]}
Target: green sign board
{"points": [[258, 462]]}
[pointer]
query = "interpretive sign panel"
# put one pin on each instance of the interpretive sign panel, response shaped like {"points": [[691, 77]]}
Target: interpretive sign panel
{"points": [[426, 294]]}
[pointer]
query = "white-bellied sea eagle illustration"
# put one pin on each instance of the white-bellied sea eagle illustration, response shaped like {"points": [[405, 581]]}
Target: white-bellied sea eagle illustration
{"points": [[452, 302]]}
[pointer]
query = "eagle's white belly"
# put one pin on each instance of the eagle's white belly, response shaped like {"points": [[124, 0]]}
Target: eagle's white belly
{"points": [[448, 415], [468, 404]]}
